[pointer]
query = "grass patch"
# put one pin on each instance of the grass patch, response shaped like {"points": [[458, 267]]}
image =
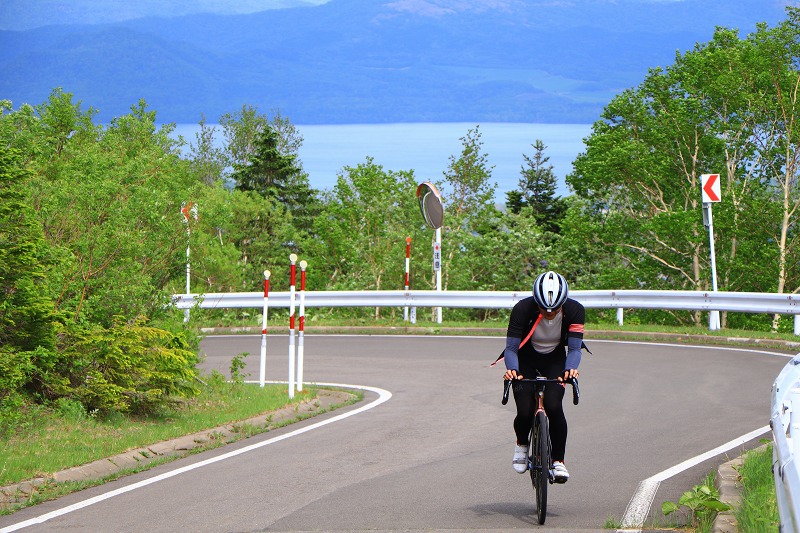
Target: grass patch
{"points": [[758, 512], [62, 436]]}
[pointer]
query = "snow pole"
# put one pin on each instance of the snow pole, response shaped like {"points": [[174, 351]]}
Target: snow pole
{"points": [[302, 313], [263, 372], [408, 264], [437, 266], [188, 210], [292, 277]]}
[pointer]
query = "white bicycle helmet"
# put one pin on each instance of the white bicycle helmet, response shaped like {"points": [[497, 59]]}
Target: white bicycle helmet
{"points": [[550, 291]]}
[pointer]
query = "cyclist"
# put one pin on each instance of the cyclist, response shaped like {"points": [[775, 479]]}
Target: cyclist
{"points": [[552, 325]]}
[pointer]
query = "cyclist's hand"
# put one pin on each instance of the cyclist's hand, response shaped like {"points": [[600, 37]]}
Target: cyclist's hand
{"points": [[569, 373], [511, 375]]}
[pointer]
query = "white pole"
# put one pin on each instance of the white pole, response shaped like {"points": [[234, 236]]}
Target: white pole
{"points": [[713, 316], [408, 264], [188, 210], [437, 264], [188, 271], [302, 312], [263, 372], [188, 266], [292, 276]]}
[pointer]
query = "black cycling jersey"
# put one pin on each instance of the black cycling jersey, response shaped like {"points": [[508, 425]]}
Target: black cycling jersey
{"points": [[526, 312]]}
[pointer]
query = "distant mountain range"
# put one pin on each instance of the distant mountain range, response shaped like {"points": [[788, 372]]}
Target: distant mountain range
{"points": [[355, 61]]}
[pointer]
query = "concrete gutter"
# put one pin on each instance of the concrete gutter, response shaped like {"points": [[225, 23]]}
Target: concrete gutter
{"points": [[730, 492]]}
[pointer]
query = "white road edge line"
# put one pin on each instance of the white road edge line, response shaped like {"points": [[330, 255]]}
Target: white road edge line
{"points": [[640, 503], [383, 396]]}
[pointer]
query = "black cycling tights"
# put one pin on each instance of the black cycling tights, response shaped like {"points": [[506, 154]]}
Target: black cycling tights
{"points": [[551, 366]]}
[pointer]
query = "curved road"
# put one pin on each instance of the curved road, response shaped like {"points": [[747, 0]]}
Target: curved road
{"points": [[435, 455]]}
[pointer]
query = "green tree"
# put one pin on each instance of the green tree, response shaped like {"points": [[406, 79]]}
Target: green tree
{"points": [[105, 203], [470, 214], [537, 190], [641, 171], [263, 154], [113, 220], [26, 311], [208, 161], [363, 228], [771, 78], [267, 171], [242, 128]]}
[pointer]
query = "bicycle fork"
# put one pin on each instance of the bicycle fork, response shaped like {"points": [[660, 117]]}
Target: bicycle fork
{"points": [[534, 444]]}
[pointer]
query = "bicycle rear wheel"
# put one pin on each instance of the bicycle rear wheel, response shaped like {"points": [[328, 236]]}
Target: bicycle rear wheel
{"points": [[540, 463]]}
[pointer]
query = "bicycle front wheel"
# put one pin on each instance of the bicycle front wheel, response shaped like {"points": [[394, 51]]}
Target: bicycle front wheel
{"points": [[540, 463]]}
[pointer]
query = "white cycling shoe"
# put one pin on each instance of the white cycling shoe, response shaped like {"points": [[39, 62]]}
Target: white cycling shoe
{"points": [[520, 461], [560, 474]]}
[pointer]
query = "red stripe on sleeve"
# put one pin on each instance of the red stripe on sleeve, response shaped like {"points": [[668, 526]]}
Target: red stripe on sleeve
{"points": [[576, 328]]}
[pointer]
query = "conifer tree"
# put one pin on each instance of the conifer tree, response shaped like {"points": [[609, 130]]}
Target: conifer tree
{"points": [[26, 313], [537, 190], [277, 175]]}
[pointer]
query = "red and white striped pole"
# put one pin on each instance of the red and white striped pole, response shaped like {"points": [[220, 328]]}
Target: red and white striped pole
{"points": [[408, 264], [292, 278], [263, 372], [302, 312]]}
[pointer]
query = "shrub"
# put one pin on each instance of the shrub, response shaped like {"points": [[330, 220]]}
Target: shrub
{"points": [[129, 367]]}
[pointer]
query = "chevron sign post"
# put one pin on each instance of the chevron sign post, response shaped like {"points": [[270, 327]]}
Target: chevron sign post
{"points": [[711, 193]]}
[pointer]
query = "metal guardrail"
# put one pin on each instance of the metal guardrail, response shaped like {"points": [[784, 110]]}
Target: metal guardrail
{"points": [[785, 424], [745, 302]]}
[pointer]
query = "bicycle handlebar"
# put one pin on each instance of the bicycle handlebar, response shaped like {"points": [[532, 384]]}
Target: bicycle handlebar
{"points": [[576, 393]]}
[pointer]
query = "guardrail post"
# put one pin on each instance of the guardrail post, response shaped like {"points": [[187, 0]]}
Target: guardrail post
{"points": [[619, 316], [797, 324]]}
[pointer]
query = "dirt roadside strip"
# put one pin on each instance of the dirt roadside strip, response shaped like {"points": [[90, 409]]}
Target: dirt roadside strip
{"points": [[178, 447]]}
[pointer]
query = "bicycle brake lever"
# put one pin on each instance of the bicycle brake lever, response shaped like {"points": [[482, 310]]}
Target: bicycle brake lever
{"points": [[576, 393], [506, 387]]}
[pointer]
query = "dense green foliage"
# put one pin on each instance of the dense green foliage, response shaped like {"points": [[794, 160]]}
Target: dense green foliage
{"points": [[727, 107], [93, 241]]}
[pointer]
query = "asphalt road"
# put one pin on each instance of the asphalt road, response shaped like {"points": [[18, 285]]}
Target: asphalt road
{"points": [[430, 447]]}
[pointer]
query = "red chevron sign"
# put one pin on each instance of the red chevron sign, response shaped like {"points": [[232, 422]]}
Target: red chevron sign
{"points": [[711, 188]]}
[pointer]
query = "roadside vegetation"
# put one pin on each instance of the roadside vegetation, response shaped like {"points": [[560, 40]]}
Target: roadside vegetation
{"points": [[698, 506], [758, 512]]}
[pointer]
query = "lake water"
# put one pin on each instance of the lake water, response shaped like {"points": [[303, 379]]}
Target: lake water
{"points": [[426, 148]]}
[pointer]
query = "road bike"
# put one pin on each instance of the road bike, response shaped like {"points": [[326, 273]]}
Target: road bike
{"points": [[540, 461]]}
